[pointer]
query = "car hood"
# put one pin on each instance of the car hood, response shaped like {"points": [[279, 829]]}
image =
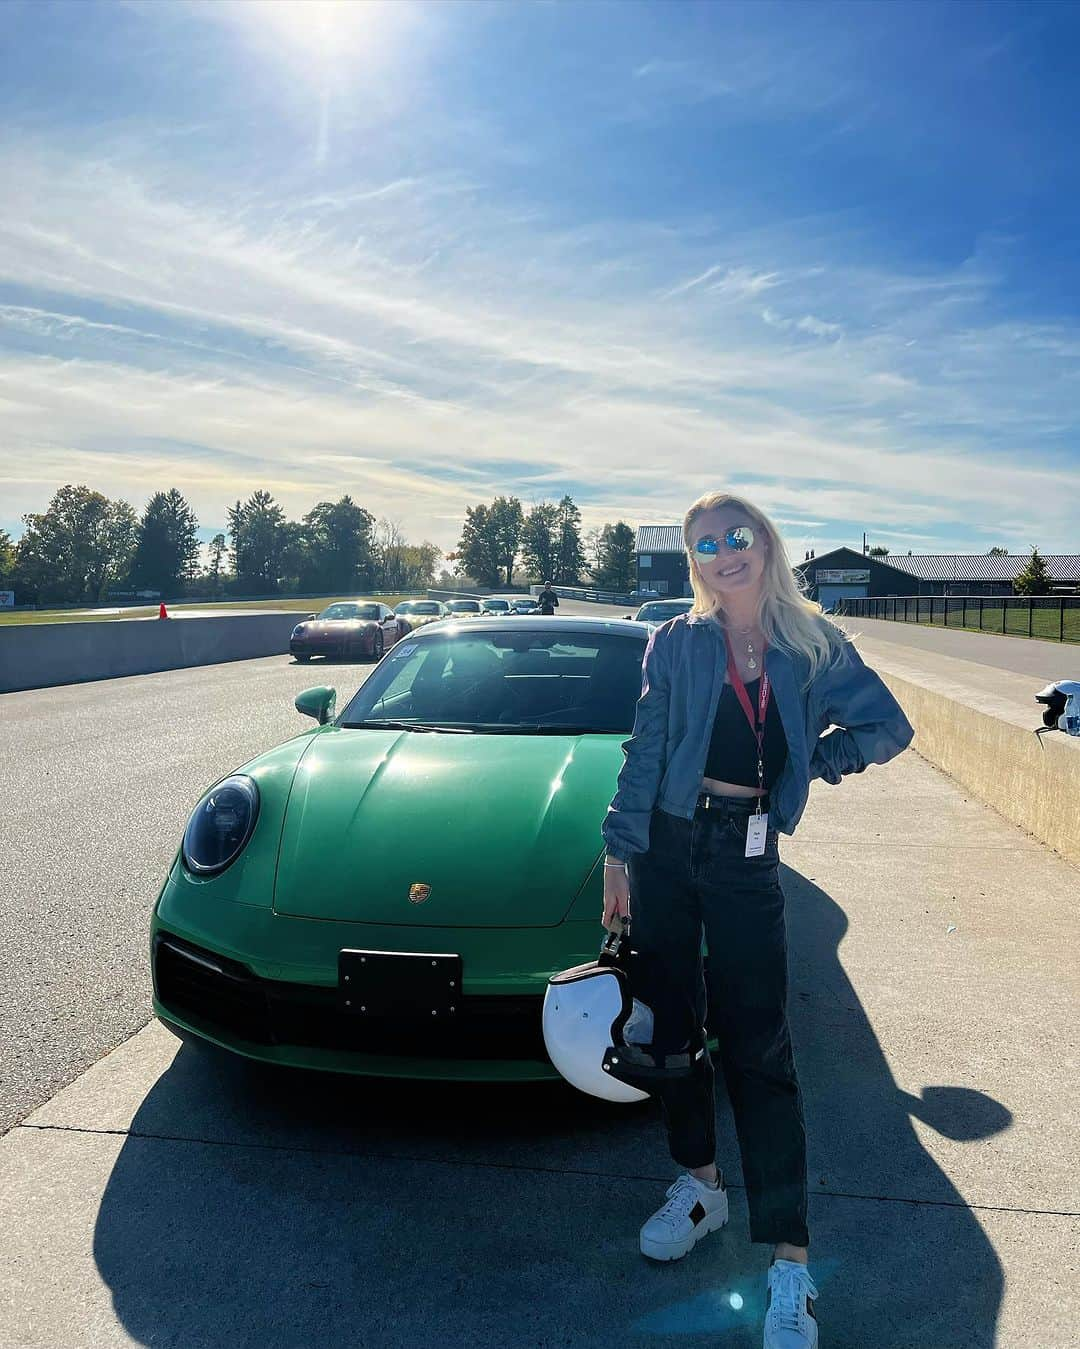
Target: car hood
{"points": [[503, 828]]}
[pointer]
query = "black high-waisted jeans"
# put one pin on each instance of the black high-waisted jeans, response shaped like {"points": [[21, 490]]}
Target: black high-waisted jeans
{"points": [[696, 874]]}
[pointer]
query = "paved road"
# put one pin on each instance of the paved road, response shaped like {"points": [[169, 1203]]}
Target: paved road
{"points": [[1021, 655], [98, 780], [97, 784], [175, 1198]]}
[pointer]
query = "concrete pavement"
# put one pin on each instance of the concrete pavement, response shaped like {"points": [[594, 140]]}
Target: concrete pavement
{"points": [[173, 1197]]}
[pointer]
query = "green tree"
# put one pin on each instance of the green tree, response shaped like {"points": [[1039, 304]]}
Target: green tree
{"points": [[998, 552], [539, 541], [7, 556], [505, 521], [1034, 579], [477, 553], [877, 551], [259, 537], [615, 559], [76, 549], [167, 550], [570, 558], [338, 547], [213, 573]]}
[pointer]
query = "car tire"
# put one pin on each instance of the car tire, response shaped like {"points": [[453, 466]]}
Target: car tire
{"points": [[377, 646], [302, 660]]}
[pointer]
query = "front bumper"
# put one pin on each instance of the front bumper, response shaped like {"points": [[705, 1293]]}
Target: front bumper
{"points": [[339, 647], [218, 974]]}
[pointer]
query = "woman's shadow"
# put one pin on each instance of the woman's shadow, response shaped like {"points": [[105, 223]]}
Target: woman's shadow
{"points": [[253, 1206]]}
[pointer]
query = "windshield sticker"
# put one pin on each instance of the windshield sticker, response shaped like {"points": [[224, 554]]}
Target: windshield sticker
{"points": [[400, 651]]}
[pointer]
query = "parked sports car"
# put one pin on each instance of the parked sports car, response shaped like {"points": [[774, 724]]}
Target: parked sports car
{"points": [[495, 604], [524, 604], [417, 613], [388, 892], [464, 608], [348, 630], [659, 611]]}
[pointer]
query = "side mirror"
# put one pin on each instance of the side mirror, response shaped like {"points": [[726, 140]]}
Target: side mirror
{"points": [[319, 703], [628, 616]]}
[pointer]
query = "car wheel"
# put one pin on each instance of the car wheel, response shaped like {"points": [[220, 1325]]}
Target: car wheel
{"points": [[377, 647]]}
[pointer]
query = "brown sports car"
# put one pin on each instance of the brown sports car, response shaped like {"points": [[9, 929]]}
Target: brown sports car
{"points": [[348, 630]]}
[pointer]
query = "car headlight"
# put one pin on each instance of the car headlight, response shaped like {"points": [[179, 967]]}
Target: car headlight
{"points": [[298, 629], [220, 825]]}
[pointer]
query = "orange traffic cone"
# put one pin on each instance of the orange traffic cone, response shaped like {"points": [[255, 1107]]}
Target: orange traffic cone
{"points": [[162, 611]]}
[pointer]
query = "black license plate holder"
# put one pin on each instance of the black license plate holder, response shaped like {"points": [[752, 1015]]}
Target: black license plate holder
{"points": [[417, 985]]}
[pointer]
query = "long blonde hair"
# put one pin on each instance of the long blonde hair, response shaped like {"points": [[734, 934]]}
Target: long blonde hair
{"points": [[788, 618]]}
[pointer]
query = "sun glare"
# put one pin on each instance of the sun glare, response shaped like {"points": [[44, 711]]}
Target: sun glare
{"points": [[322, 41]]}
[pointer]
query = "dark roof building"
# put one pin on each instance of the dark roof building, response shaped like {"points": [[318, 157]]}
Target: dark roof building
{"points": [[662, 568], [833, 575]]}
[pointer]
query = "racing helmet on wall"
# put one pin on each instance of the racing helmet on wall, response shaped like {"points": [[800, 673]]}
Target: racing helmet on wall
{"points": [[1061, 707]]}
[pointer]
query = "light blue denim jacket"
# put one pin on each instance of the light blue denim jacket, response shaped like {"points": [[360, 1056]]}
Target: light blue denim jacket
{"points": [[682, 678]]}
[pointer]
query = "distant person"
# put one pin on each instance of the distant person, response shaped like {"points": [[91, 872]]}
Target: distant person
{"points": [[727, 739], [548, 600]]}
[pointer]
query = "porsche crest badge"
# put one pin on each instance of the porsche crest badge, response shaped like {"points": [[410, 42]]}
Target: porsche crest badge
{"points": [[418, 892]]}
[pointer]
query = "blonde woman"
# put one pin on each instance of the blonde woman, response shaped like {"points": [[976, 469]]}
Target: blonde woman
{"points": [[731, 728]]}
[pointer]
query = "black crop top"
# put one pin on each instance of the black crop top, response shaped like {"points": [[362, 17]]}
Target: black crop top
{"points": [[733, 747]]}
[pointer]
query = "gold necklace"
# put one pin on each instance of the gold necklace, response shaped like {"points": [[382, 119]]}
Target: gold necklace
{"points": [[751, 659]]}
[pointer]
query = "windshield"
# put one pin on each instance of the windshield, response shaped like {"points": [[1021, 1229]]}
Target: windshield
{"points": [[464, 606], [660, 612], [425, 607], [505, 683], [525, 604], [496, 606], [366, 611]]}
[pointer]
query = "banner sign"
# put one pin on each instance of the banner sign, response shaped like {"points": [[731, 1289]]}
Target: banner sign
{"points": [[7, 599], [842, 576]]}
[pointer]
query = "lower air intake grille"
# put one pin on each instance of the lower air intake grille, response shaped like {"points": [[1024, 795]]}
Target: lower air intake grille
{"points": [[216, 994]]}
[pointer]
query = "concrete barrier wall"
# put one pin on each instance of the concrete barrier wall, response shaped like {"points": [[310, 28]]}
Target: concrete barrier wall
{"points": [[40, 655], [1032, 781]]}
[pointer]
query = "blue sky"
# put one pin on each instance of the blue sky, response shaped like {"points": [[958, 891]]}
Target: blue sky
{"points": [[429, 253]]}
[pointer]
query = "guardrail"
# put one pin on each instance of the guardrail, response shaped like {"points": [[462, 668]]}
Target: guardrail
{"points": [[1048, 617], [595, 596], [565, 592]]}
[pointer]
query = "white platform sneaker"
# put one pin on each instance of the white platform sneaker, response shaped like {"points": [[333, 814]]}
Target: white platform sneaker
{"points": [[693, 1209], [789, 1311]]}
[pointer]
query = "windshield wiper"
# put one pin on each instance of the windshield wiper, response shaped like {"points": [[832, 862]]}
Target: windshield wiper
{"points": [[572, 730], [388, 725]]}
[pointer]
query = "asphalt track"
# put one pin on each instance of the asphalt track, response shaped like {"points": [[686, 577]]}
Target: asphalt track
{"points": [[97, 783], [98, 780]]}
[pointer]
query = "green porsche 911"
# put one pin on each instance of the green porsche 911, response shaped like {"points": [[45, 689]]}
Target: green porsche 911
{"points": [[388, 892]]}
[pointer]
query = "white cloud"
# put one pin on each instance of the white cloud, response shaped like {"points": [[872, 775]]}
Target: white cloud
{"points": [[331, 342]]}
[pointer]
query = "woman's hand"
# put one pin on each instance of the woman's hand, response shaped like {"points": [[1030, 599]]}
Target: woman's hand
{"points": [[616, 895]]}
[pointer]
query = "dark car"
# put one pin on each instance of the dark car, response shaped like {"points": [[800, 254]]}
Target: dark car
{"points": [[348, 630], [659, 611]]}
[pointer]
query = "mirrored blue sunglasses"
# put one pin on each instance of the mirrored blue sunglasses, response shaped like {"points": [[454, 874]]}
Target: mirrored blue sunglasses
{"points": [[739, 539]]}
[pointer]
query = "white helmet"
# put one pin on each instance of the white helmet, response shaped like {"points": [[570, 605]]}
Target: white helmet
{"points": [[580, 1007], [1062, 709]]}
